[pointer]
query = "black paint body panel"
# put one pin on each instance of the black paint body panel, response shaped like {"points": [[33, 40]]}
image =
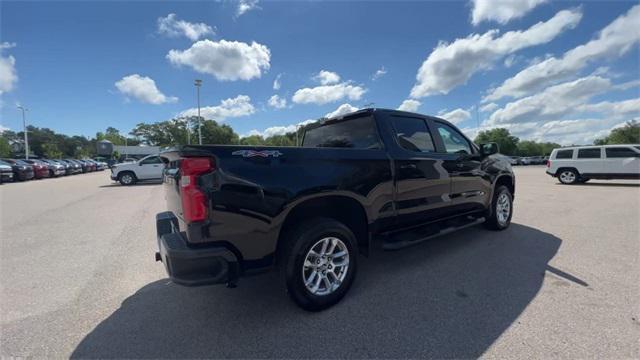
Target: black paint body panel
{"points": [[250, 197]]}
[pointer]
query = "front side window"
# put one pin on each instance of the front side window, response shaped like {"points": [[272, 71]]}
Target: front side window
{"points": [[151, 160], [413, 134], [593, 153], [454, 142], [620, 152], [564, 154], [358, 133]]}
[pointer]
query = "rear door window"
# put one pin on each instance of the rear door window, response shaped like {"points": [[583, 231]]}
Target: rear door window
{"points": [[413, 134], [620, 152], [564, 154], [358, 133], [593, 153], [151, 160]]}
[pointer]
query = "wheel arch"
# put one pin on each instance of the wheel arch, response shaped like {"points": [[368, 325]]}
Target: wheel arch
{"points": [[342, 208], [560, 169], [507, 180]]}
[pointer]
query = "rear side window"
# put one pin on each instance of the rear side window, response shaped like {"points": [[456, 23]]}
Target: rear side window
{"points": [[413, 134], [620, 152], [359, 133], [589, 153], [454, 142], [564, 154]]}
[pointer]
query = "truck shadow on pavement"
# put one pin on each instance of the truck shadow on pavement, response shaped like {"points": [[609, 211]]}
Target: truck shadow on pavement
{"points": [[451, 297]]}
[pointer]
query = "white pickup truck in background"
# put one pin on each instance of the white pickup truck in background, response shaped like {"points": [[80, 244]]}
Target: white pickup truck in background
{"points": [[580, 164], [129, 173]]}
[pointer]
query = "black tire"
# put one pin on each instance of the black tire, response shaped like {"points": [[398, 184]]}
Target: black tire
{"points": [[127, 178], [568, 176], [298, 244], [497, 221]]}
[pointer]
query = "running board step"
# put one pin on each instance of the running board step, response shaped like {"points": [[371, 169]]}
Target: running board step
{"points": [[404, 240]]}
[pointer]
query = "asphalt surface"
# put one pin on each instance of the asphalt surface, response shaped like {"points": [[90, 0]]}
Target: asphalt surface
{"points": [[78, 278]]}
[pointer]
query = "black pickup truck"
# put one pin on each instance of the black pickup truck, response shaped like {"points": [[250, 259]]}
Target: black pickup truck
{"points": [[375, 176]]}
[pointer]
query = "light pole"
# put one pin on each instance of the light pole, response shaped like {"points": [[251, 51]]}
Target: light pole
{"points": [[26, 137], [198, 83]]}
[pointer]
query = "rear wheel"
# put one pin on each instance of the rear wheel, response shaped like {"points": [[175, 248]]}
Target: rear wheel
{"points": [[320, 262], [127, 178], [501, 209], [568, 176]]}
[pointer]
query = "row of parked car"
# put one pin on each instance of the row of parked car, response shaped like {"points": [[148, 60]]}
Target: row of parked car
{"points": [[27, 169], [529, 160]]}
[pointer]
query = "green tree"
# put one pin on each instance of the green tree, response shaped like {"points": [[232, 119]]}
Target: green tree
{"points": [[280, 140], [253, 140], [627, 134], [507, 143], [51, 151], [5, 148], [213, 133]]}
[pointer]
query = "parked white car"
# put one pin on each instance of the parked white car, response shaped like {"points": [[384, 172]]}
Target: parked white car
{"points": [[580, 164], [147, 168]]}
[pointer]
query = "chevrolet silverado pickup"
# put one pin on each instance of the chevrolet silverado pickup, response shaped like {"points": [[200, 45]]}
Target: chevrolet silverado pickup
{"points": [[374, 177]]}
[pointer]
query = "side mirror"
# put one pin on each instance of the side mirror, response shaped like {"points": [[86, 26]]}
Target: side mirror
{"points": [[489, 149]]}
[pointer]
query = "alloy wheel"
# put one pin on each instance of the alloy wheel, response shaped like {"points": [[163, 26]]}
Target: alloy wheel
{"points": [[325, 266]]}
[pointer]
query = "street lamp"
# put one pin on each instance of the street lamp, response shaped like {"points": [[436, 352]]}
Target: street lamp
{"points": [[26, 137], [198, 83]]}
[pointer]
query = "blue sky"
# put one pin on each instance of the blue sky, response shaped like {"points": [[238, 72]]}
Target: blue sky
{"points": [[559, 71]]}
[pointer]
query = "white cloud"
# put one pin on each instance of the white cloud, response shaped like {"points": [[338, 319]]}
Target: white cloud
{"points": [[614, 109], [245, 6], [614, 40], [627, 85], [553, 102], [456, 116], [225, 60], [277, 102], [489, 107], [325, 77], [7, 45], [278, 130], [276, 83], [172, 27], [3, 129], [324, 94], [8, 73], [342, 110], [501, 11], [144, 89], [379, 73], [410, 105], [451, 65], [229, 108]]}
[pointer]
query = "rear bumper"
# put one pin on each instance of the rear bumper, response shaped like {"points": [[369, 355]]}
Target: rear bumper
{"points": [[550, 173], [190, 265]]}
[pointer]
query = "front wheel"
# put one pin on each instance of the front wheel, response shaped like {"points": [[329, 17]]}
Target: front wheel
{"points": [[127, 178], [320, 259], [501, 209]]}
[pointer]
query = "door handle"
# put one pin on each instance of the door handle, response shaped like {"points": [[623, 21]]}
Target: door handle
{"points": [[408, 166]]}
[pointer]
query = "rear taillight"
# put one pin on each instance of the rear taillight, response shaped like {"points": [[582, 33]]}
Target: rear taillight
{"points": [[548, 163], [194, 201]]}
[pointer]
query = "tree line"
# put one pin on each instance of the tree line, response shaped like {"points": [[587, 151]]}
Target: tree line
{"points": [[512, 146], [44, 142]]}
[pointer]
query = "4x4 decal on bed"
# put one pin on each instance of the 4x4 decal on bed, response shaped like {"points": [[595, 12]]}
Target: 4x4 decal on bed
{"points": [[252, 153]]}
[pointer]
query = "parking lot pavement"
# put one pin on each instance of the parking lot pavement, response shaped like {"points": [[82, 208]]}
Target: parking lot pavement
{"points": [[79, 279]]}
